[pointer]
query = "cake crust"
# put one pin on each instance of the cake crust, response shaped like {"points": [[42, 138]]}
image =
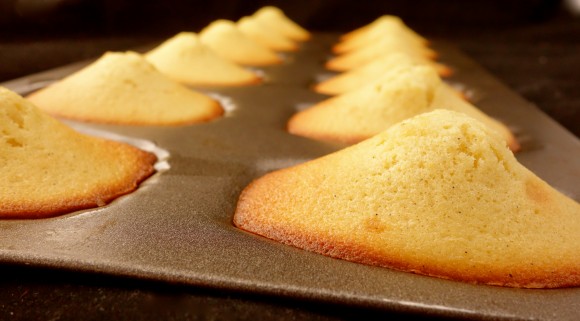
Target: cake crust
{"points": [[275, 18], [400, 93], [438, 194], [49, 169], [185, 59], [261, 33], [125, 89], [223, 37]]}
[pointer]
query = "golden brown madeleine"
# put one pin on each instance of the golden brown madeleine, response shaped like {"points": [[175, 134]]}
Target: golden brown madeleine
{"points": [[401, 93], [369, 31], [276, 19], [358, 77], [185, 59], [50, 169], [123, 88], [261, 33], [439, 194], [385, 26], [382, 46], [223, 37]]}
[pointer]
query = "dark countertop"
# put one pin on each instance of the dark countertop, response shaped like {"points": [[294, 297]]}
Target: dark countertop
{"points": [[540, 60]]}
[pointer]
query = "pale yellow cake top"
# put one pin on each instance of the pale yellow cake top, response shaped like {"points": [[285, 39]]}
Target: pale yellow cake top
{"points": [[266, 36], [275, 18], [185, 59], [401, 93], [382, 23], [438, 194], [49, 169], [372, 71], [360, 31], [223, 37], [123, 88], [386, 26], [379, 48]]}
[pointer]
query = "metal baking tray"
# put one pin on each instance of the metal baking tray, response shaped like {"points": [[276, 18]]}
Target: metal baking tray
{"points": [[177, 227]]}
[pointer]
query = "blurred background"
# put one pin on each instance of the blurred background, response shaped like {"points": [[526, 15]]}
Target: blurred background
{"points": [[531, 45], [114, 17]]}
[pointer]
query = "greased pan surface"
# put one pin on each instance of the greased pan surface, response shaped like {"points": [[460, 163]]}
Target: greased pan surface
{"points": [[177, 227]]}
